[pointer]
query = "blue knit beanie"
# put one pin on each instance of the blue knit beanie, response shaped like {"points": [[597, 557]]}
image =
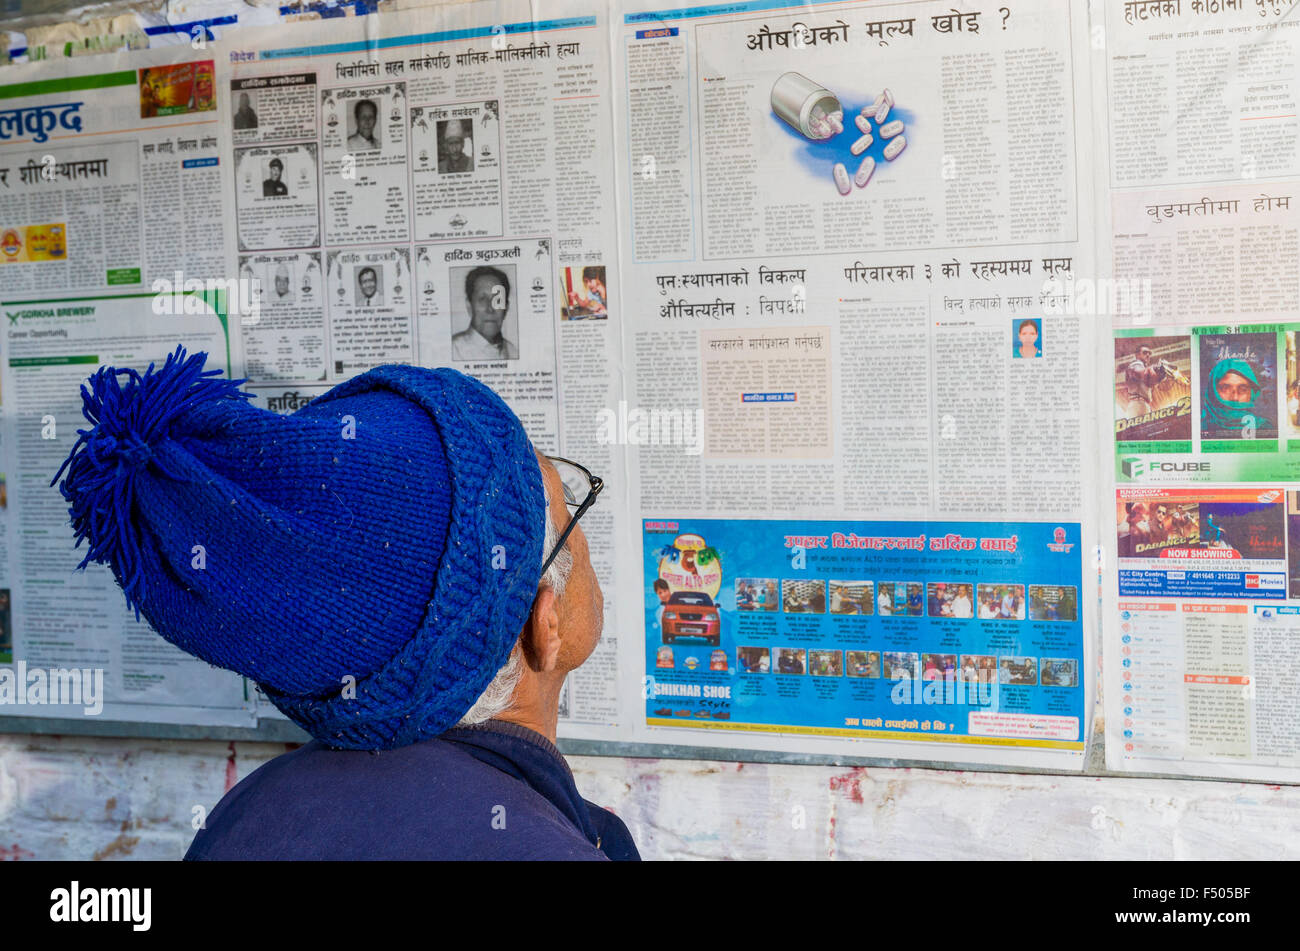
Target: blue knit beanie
{"points": [[369, 560]]}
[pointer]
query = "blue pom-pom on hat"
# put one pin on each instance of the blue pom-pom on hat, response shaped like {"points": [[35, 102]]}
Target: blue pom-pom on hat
{"points": [[127, 420], [328, 561]]}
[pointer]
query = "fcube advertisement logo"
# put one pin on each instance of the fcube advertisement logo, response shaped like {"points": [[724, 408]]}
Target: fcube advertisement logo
{"points": [[1136, 468]]}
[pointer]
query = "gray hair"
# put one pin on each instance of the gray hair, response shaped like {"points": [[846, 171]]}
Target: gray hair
{"points": [[496, 697]]}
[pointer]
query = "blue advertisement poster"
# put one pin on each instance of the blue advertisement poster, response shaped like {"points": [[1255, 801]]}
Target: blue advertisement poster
{"points": [[966, 632]]}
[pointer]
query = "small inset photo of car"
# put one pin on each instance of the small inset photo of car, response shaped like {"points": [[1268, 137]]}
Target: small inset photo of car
{"points": [[691, 614]]}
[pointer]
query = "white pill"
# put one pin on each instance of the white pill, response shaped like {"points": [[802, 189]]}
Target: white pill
{"points": [[835, 124], [863, 174], [891, 129], [888, 97], [863, 124], [894, 147], [861, 145], [883, 112], [871, 109], [842, 178]]}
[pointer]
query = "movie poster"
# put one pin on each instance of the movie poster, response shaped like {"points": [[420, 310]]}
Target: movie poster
{"points": [[1291, 407], [1153, 391], [1293, 548], [1202, 543], [1238, 388]]}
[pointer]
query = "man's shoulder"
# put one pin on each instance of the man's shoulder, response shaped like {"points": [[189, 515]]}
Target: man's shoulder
{"points": [[461, 345], [430, 800]]}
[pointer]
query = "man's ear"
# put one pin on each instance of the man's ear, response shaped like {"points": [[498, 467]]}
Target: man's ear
{"points": [[541, 634]]}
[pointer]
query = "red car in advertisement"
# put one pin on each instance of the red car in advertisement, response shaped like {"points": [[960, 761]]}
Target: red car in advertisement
{"points": [[691, 614]]}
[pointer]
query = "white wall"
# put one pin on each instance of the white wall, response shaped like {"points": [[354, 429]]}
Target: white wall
{"points": [[90, 798]]}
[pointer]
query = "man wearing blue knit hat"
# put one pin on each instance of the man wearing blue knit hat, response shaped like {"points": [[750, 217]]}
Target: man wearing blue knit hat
{"points": [[397, 569]]}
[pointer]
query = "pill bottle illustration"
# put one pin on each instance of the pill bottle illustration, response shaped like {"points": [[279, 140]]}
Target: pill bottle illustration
{"points": [[811, 109]]}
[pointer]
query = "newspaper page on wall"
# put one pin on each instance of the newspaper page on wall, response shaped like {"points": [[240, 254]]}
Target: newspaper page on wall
{"points": [[437, 188], [1202, 625], [859, 394], [111, 216]]}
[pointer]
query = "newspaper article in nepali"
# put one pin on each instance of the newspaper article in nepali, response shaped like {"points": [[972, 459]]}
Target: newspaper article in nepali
{"points": [[97, 266], [858, 401], [442, 193], [1201, 613]]}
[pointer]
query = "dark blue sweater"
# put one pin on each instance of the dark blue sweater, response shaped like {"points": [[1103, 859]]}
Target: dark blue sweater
{"points": [[492, 791]]}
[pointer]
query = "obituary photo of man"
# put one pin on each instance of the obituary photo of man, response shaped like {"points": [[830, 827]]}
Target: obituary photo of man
{"points": [[283, 293], [487, 298], [452, 156], [369, 292], [366, 136], [245, 117], [272, 187]]}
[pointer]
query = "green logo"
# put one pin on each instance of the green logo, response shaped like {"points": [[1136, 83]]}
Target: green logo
{"points": [[1134, 467]]}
